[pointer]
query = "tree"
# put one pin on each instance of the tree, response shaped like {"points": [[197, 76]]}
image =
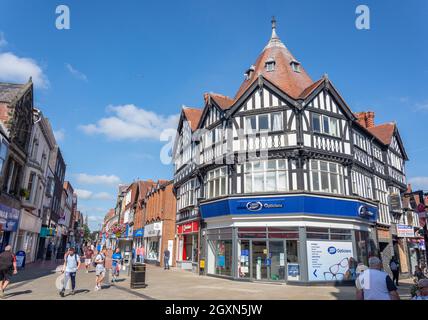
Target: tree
{"points": [[87, 232]]}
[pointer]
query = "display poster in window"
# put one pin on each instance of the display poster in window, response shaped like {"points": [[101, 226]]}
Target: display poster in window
{"points": [[330, 261], [221, 261], [293, 271]]}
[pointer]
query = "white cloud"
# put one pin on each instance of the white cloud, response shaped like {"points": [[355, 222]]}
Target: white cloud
{"points": [[84, 178], [3, 42], [16, 69], [103, 196], [95, 219], [83, 194], [422, 106], [419, 183], [130, 122], [59, 135], [76, 73], [89, 195]]}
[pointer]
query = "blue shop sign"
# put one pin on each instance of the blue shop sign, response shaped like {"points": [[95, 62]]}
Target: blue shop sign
{"points": [[20, 259], [139, 232], [9, 218], [294, 204]]}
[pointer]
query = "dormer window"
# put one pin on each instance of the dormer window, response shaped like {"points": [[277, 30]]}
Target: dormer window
{"points": [[295, 65], [270, 64]]}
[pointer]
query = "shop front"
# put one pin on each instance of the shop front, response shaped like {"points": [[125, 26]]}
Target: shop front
{"points": [[305, 239], [153, 242], [188, 245], [28, 235], [9, 220]]}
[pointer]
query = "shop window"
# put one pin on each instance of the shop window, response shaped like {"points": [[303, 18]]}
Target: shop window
{"points": [[243, 258], [224, 257]]}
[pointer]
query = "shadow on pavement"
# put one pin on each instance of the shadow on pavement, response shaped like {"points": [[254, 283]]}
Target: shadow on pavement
{"points": [[78, 292], [18, 293]]}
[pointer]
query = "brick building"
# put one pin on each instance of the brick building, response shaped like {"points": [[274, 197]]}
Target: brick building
{"points": [[159, 208], [143, 188]]}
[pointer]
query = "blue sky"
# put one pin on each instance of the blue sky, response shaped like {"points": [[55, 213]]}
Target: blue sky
{"points": [[124, 70]]}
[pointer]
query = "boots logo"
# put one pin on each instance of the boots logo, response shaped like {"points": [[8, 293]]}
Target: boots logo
{"points": [[254, 206], [331, 250]]}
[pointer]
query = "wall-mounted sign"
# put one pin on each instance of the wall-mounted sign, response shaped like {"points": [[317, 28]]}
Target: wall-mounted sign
{"points": [[259, 205], [153, 230], [395, 202], [405, 231]]}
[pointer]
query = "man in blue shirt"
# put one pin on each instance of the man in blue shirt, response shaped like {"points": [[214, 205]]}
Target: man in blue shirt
{"points": [[116, 262]]}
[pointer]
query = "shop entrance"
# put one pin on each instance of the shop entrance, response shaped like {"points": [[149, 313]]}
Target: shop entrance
{"points": [[270, 259]]}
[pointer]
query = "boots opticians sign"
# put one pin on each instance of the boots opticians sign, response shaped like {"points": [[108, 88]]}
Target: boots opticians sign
{"points": [[259, 205]]}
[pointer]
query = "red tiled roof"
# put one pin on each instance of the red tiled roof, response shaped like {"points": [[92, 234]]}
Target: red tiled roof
{"points": [[305, 93], [291, 82], [223, 101], [192, 115], [383, 132]]}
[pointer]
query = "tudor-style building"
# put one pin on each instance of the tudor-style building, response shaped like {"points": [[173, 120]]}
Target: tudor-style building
{"points": [[289, 183]]}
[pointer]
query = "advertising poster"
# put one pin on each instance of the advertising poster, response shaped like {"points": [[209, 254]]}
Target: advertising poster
{"points": [[329, 260]]}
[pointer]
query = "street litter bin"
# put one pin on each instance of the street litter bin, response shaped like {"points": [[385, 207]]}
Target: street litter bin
{"points": [[138, 276]]}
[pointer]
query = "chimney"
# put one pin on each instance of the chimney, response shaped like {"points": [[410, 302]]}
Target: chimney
{"points": [[361, 118], [366, 119], [370, 115]]}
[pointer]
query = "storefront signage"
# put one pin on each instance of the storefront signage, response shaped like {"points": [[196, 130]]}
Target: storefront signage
{"points": [[404, 231], [365, 212], [153, 230], [9, 218], [293, 204], [395, 202], [329, 260], [189, 227], [139, 232], [47, 232]]}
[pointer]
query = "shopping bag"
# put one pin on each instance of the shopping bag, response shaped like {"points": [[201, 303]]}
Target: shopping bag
{"points": [[59, 283]]}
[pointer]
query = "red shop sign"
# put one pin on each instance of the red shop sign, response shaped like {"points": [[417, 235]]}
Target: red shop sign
{"points": [[188, 227]]}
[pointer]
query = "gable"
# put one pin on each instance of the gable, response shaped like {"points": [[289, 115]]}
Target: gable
{"points": [[212, 115], [325, 102], [262, 99]]}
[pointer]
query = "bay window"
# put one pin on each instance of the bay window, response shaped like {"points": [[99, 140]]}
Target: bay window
{"points": [[326, 177], [186, 194], [265, 176], [325, 124], [216, 184], [264, 123]]}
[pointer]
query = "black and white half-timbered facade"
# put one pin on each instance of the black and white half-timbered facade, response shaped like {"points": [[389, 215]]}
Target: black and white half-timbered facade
{"points": [[285, 182]]}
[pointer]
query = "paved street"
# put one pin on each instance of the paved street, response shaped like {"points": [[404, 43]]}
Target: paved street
{"points": [[38, 282]]}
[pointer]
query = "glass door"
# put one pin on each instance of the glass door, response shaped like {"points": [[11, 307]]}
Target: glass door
{"points": [[259, 257], [276, 261]]}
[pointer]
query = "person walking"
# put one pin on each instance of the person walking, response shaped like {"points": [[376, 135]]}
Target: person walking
{"points": [[100, 269], [71, 265], [375, 284], [116, 262], [7, 268], [88, 258], [422, 292], [166, 255], [394, 266]]}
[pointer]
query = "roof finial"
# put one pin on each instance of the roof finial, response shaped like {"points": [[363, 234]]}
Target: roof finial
{"points": [[274, 35]]}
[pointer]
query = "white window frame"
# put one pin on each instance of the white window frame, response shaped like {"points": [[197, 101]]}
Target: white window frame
{"points": [[250, 172], [323, 130], [214, 183], [339, 175]]}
